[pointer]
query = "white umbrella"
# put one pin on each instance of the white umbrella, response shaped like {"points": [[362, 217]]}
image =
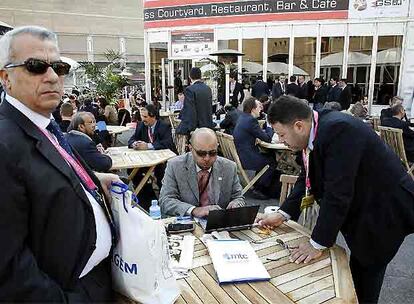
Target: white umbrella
{"points": [[354, 58], [252, 67], [73, 64], [283, 68], [389, 56]]}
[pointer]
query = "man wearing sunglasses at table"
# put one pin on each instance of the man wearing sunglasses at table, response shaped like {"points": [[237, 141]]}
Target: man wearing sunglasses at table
{"points": [[56, 230], [200, 181]]}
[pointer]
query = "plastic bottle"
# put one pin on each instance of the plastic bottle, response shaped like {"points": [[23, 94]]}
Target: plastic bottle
{"points": [[155, 210]]}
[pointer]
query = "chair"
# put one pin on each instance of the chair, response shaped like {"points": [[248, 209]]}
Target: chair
{"points": [[229, 151], [174, 121], [287, 181], [393, 137], [376, 123], [181, 143]]}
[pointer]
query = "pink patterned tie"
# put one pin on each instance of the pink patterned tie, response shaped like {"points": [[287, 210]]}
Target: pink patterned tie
{"points": [[203, 178]]}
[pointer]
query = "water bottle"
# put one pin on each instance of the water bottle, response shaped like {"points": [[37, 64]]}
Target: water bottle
{"points": [[155, 210]]}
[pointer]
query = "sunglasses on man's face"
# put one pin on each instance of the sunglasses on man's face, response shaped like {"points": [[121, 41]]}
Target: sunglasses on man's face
{"points": [[201, 153], [38, 67]]}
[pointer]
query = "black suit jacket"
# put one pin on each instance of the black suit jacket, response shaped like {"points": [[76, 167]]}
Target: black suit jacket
{"points": [[198, 110], [302, 91], [259, 89], [87, 150], [277, 91], [230, 120], [238, 95], [320, 95], [345, 98], [162, 136], [334, 93], [47, 222], [292, 89], [361, 187], [245, 133]]}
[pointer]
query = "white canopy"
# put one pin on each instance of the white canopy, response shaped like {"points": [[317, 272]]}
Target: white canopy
{"points": [[389, 56], [252, 67], [281, 67], [354, 58]]}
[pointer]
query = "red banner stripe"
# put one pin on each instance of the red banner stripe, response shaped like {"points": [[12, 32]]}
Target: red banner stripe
{"points": [[164, 3], [247, 18]]}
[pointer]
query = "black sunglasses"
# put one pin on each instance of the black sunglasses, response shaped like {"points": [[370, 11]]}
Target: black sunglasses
{"points": [[38, 67], [211, 153]]}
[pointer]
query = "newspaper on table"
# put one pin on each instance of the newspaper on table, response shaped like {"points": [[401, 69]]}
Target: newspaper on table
{"points": [[181, 249]]}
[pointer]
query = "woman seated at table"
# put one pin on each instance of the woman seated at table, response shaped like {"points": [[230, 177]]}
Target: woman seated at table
{"points": [[245, 133]]}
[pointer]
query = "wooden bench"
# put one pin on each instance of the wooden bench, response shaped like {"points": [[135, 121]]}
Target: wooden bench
{"points": [[229, 151]]}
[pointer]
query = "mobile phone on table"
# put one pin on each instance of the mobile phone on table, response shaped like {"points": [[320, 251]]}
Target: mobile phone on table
{"points": [[179, 228]]}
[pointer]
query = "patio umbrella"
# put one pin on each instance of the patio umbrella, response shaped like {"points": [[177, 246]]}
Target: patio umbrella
{"points": [[283, 68], [4, 27]]}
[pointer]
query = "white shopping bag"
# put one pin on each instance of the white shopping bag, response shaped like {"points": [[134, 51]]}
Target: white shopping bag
{"points": [[140, 261]]}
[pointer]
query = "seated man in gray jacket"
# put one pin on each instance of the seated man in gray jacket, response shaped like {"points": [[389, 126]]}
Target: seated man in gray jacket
{"points": [[200, 181]]}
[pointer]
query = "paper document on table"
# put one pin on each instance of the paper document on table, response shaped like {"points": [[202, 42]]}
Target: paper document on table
{"points": [[236, 261], [181, 248]]}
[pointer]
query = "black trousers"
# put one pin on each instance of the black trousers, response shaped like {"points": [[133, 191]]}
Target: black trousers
{"points": [[367, 280]]}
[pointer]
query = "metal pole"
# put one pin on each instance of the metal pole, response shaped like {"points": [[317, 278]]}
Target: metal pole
{"points": [[164, 101], [227, 70]]}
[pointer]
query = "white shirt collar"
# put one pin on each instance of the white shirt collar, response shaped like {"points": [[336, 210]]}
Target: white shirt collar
{"points": [[311, 136], [198, 169], [39, 120]]}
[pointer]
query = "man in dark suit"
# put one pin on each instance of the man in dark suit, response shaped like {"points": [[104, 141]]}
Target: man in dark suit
{"points": [[396, 121], [245, 134], [319, 95], [230, 120], [334, 91], [80, 133], [236, 90], [55, 231], [303, 88], [279, 88], [198, 110], [151, 134], [260, 88], [292, 88], [345, 98], [362, 194], [66, 114]]}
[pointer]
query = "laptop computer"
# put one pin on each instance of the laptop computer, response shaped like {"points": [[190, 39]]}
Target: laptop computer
{"points": [[231, 219]]}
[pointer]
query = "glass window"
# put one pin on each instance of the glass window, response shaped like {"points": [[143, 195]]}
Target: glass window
{"points": [[359, 62], [387, 71], [228, 44], [252, 61], [157, 51], [305, 57], [332, 56]]}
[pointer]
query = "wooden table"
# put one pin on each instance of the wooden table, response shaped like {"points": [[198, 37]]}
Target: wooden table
{"points": [[325, 280], [115, 130], [285, 158], [125, 158]]}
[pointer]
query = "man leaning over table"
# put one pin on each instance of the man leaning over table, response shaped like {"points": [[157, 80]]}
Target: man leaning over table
{"points": [[200, 181], [366, 194], [55, 228]]}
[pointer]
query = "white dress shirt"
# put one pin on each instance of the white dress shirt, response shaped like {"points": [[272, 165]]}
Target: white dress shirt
{"points": [[103, 232]]}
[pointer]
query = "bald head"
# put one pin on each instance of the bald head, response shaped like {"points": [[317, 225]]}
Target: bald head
{"points": [[203, 136]]}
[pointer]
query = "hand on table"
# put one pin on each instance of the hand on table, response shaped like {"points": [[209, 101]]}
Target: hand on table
{"points": [[204, 211], [100, 148], [235, 204], [304, 253], [270, 220], [140, 145]]}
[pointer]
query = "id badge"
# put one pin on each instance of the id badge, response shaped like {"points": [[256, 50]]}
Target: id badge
{"points": [[307, 201]]}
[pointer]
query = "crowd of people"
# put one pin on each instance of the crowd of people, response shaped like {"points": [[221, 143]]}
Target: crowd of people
{"points": [[58, 229]]}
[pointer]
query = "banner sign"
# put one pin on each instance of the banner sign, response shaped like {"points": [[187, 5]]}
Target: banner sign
{"points": [[191, 43], [163, 13], [361, 9]]}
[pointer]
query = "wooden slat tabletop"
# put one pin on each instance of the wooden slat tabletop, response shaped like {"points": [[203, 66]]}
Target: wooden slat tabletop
{"points": [[117, 129], [125, 158], [325, 280]]}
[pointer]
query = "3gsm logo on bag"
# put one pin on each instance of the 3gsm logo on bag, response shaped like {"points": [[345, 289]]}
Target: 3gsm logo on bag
{"points": [[123, 265]]}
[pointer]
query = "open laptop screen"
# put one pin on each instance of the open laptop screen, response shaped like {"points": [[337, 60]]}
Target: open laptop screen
{"points": [[231, 219]]}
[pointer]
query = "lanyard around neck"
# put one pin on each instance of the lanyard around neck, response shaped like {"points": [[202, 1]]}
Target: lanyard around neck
{"points": [[306, 151]]}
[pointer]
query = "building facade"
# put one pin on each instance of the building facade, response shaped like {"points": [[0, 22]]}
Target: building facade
{"points": [[368, 42]]}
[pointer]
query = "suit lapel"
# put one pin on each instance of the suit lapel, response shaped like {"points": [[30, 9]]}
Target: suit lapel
{"points": [[192, 176], [216, 179], [44, 146]]}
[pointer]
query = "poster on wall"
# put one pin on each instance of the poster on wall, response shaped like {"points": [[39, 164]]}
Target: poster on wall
{"points": [[192, 43], [359, 9], [170, 13]]}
